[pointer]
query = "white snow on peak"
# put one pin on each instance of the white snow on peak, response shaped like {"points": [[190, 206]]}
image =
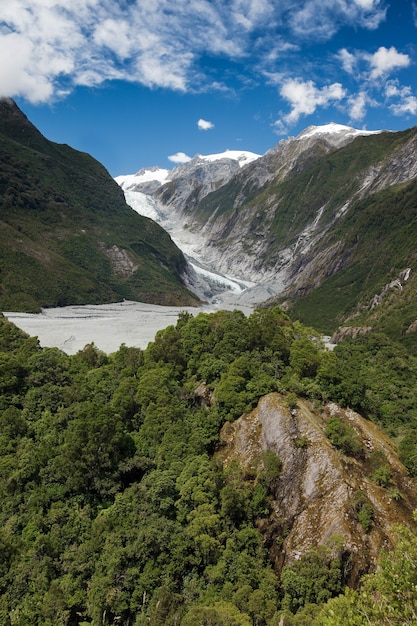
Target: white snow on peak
{"points": [[332, 129], [148, 174], [161, 175], [242, 156]]}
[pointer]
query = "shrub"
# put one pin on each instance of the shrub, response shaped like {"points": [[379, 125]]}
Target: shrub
{"points": [[343, 437], [362, 510]]}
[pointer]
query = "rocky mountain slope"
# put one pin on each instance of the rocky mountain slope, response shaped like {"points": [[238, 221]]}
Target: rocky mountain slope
{"points": [[190, 181], [166, 197], [323, 493], [323, 222], [66, 233]]}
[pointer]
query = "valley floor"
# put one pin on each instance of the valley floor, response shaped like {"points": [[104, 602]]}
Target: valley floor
{"points": [[107, 326]]}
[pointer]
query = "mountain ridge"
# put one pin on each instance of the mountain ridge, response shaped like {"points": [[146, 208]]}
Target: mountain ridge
{"points": [[283, 221], [67, 235]]}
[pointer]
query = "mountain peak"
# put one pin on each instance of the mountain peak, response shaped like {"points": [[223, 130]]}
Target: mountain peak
{"points": [[15, 125], [334, 129], [241, 156], [8, 105]]}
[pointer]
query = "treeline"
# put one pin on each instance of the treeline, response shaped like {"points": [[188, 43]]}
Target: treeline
{"points": [[115, 509]]}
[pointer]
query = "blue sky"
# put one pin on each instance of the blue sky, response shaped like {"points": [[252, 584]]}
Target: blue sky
{"points": [[144, 82]]}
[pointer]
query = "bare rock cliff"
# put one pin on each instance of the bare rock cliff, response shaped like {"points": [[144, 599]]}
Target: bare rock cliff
{"points": [[316, 494]]}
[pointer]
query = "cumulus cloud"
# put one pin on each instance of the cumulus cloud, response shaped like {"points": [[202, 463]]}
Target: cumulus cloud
{"points": [[393, 89], [348, 60], [384, 60], [366, 66], [179, 157], [49, 46], [205, 124], [408, 106], [304, 97], [357, 106], [406, 101]]}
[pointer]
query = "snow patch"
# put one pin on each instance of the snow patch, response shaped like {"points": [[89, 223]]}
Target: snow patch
{"points": [[332, 129], [162, 176], [243, 157], [149, 174], [145, 205]]}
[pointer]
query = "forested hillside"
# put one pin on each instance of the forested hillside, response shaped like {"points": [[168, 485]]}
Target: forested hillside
{"points": [[66, 234], [118, 509]]}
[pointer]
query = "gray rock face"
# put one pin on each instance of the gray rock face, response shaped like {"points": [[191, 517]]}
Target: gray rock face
{"points": [[243, 235], [192, 181], [314, 495], [123, 265], [238, 240]]}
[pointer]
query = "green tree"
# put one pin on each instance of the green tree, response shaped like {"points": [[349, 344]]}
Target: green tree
{"points": [[219, 614], [315, 578], [343, 436], [305, 357], [407, 451], [387, 597]]}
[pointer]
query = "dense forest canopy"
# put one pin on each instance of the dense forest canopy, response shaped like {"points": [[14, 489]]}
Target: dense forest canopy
{"points": [[117, 510]]}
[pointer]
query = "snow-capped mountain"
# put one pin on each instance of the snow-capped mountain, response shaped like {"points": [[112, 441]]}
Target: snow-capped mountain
{"points": [[191, 181], [147, 179], [159, 176], [243, 157], [334, 132]]}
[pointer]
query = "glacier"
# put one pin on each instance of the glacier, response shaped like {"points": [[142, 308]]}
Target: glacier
{"points": [[202, 276]]}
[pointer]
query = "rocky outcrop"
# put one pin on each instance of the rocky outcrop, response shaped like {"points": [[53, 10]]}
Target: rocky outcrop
{"points": [[397, 284], [315, 496], [349, 331], [192, 181], [297, 259], [122, 264]]}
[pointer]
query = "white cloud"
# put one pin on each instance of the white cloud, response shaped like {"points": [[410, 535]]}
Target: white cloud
{"points": [[322, 18], [406, 101], [179, 157], [249, 13], [384, 60], [348, 60], [368, 5], [274, 78], [204, 124], [392, 89], [414, 12], [280, 127], [115, 36], [357, 106], [408, 106], [156, 43], [304, 97], [27, 70], [365, 66]]}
